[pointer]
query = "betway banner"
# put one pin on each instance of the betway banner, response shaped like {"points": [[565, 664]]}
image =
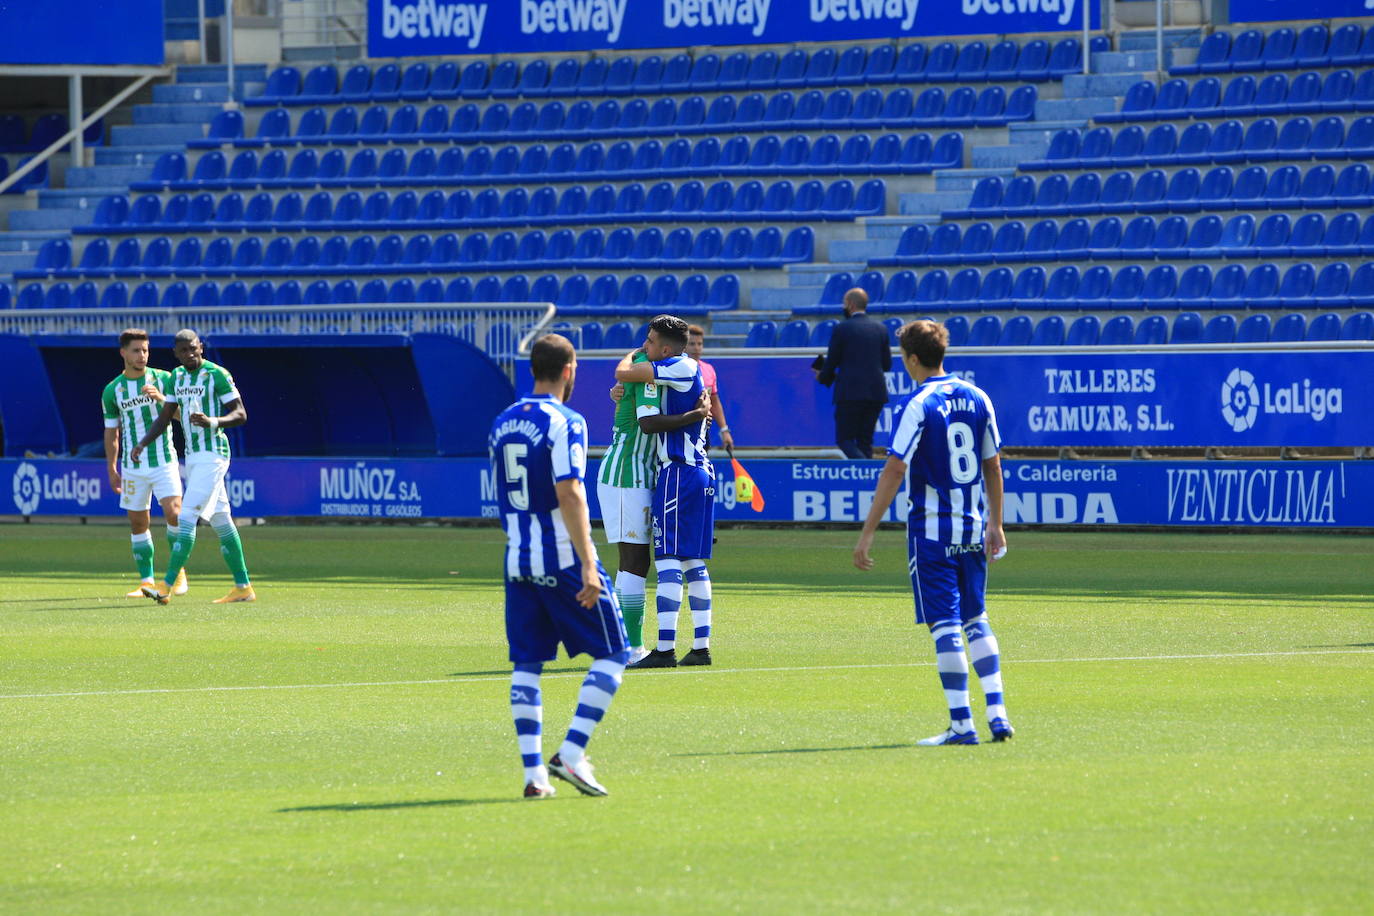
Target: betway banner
{"points": [[406, 28], [1280, 10], [1271, 399], [1316, 494]]}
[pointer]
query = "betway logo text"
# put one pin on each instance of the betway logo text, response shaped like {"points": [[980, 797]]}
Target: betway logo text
{"points": [[549, 16], [694, 13], [431, 19], [1064, 8], [861, 10]]}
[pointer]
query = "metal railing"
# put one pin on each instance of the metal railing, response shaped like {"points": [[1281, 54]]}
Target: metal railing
{"points": [[504, 330], [324, 23], [75, 136]]}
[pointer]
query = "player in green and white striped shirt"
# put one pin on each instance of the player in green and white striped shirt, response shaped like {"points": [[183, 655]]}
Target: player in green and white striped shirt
{"points": [[625, 490], [130, 404], [202, 390]]}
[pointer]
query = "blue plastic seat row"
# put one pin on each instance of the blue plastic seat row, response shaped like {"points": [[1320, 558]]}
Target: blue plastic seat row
{"points": [[1142, 237], [768, 155], [351, 212], [1283, 49], [1089, 330], [47, 129], [577, 294], [1005, 61], [1199, 143], [841, 110], [1129, 288], [1186, 191], [1309, 93], [649, 249]]}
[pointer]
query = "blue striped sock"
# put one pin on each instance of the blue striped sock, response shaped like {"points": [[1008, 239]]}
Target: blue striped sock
{"points": [[987, 664], [669, 598], [527, 708], [953, 668], [699, 600], [593, 699]]}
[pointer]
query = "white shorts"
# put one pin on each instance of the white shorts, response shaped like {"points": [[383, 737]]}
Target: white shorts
{"points": [[627, 513], [139, 485], [205, 490]]}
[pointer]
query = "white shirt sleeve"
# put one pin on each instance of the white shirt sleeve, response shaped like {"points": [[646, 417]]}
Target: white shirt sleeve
{"points": [[677, 372], [992, 438], [907, 435], [568, 440]]}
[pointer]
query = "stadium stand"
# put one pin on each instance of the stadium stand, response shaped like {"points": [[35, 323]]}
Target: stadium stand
{"points": [[754, 187]]}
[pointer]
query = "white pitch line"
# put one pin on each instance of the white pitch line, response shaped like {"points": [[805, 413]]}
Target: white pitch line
{"points": [[579, 674]]}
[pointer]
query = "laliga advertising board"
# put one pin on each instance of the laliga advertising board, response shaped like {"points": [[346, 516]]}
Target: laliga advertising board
{"points": [[1310, 494], [1071, 399], [407, 28]]}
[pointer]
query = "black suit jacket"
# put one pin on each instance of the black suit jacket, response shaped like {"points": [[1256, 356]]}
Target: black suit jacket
{"points": [[859, 354]]}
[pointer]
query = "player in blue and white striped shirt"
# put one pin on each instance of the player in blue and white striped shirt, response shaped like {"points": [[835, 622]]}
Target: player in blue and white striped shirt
{"points": [[538, 451], [684, 492], [946, 444]]}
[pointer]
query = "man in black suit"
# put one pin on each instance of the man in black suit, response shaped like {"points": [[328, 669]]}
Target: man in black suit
{"points": [[859, 354]]}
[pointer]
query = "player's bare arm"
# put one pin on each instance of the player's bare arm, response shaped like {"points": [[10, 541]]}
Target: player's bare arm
{"points": [[157, 427], [112, 458], [718, 418], [630, 371], [889, 483], [572, 502], [617, 392], [995, 540], [237, 416], [660, 423]]}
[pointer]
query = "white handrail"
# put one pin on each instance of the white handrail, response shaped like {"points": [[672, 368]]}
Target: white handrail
{"points": [[90, 119]]}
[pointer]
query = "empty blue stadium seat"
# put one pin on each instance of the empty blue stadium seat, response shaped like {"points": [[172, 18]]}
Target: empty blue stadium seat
{"points": [[794, 334], [1359, 326], [986, 331], [1289, 328], [1084, 331], [1220, 329], [1254, 329], [1117, 332]]}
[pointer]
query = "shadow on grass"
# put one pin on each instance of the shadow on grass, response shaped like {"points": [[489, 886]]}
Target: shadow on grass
{"points": [[800, 750], [396, 805], [1344, 645]]}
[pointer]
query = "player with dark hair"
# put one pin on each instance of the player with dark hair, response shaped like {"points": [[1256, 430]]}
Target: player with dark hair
{"points": [[202, 390], [684, 492], [946, 445], [556, 589], [130, 403]]}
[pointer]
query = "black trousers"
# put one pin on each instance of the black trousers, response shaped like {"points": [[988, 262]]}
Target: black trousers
{"points": [[854, 424]]}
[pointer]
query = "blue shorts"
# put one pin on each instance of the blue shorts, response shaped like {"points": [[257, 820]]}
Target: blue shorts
{"points": [[540, 615], [684, 512], [948, 580]]}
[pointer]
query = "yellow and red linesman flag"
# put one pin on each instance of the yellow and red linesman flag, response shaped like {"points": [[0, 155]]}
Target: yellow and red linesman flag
{"points": [[746, 491]]}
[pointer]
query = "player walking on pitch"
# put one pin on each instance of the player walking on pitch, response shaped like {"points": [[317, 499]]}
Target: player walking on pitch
{"points": [[129, 404], [946, 444], [555, 585], [684, 492], [202, 389]]}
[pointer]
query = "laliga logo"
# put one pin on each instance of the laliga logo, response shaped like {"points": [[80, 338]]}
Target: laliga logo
{"points": [[1239, 400], [27, 489], [1242, 400]]}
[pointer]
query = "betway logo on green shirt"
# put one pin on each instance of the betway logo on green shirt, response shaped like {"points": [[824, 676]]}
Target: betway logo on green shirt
{"points": [[203, 391]]}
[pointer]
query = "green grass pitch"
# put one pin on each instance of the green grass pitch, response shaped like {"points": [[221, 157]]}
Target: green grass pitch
{"points": [[1192, 712]]}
